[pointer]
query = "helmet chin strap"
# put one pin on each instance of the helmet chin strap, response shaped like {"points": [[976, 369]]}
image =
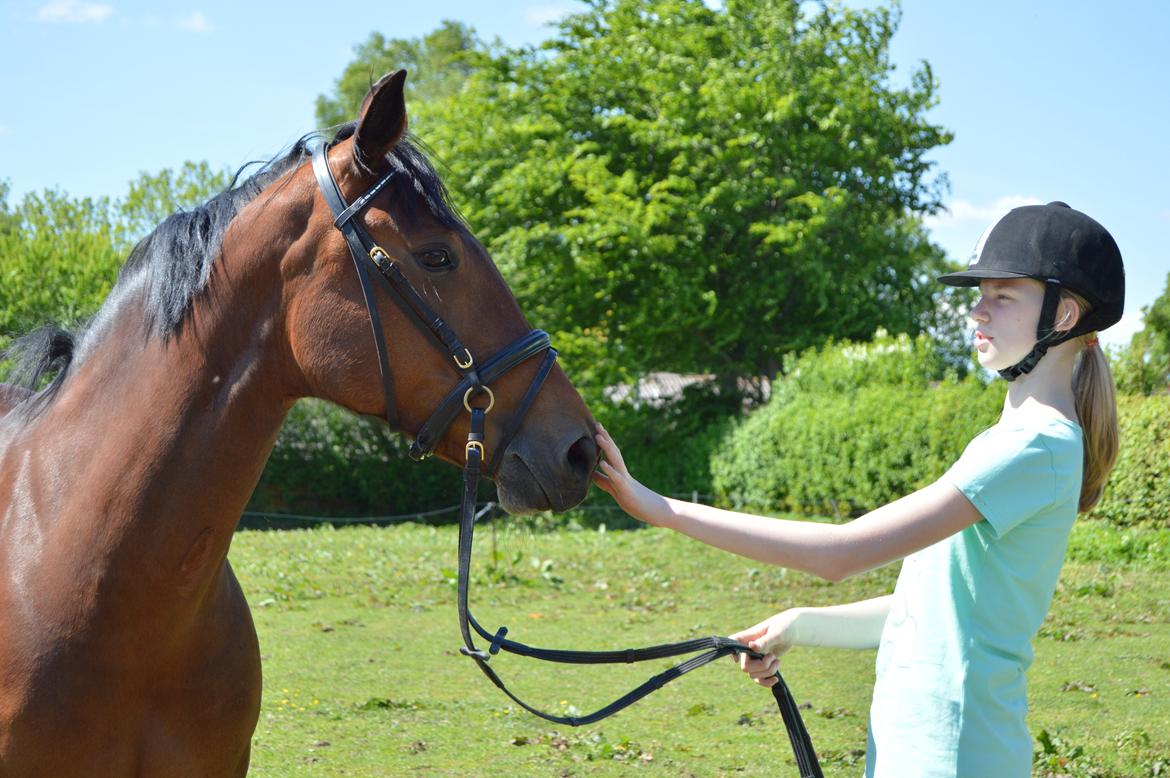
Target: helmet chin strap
{"points": [[1046, 333]]}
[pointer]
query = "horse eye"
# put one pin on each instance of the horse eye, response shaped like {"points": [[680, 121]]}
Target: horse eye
{"points": [[435, 259]]}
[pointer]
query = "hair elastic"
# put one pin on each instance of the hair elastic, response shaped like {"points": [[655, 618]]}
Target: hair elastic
{"points": [[1091, 342]]}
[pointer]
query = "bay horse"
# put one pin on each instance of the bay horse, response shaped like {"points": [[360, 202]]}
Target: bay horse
{"points": [[126, 643]]}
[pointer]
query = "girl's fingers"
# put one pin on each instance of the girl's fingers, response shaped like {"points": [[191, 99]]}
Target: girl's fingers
{"points": [[609, 448], [603, 483], [614, 474], [761, 667], [747, 636], [751, 633]]}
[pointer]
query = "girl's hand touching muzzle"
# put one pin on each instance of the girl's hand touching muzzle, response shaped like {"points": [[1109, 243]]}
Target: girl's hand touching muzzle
{"points": [[613, 477]]}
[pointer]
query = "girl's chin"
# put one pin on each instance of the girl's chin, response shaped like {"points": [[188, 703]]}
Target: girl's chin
{"points": [[989, 359]]}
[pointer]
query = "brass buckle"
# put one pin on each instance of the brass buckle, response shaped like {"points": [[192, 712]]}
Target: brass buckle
{"points": [[473, 445], [467, 398], [462, 365], [375, 251]]}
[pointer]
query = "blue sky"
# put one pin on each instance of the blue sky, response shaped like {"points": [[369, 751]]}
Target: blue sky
{"points": [[1048, 100]]}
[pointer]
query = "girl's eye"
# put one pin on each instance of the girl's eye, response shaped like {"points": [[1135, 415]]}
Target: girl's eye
{"points": [[435, 259]]}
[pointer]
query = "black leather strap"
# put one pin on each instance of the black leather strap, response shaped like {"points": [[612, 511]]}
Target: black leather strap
{"points": [[336, 202], [517, 418], [1047, 335], [449, 407], [713, 647], [360, 244]]}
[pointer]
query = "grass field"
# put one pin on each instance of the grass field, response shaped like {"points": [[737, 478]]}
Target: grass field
{"points": [[363, 676]]}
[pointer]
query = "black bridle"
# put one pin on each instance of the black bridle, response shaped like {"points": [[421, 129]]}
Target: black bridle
{"points": [[475, 381]]}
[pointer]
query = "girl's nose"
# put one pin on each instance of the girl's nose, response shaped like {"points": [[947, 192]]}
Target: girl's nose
{"points": [[979, 312]]}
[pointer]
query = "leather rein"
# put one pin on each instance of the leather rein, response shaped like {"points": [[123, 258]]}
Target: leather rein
{"points": [[474, 381]]}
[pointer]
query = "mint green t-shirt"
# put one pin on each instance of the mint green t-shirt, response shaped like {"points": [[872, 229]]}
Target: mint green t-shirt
{"points": [[950, 697]]}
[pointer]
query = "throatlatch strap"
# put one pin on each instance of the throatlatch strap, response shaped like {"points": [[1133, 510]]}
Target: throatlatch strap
{"points": [[333, 197]]}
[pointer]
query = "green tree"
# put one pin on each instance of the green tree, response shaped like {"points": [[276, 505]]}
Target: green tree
{"points": [[59, 255], [1143, 367], [669, 186], [439, 64], [152, 198], [58, 258]]}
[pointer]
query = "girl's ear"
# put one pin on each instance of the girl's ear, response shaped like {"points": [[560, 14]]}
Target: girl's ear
{"points": [[1068, 313]]}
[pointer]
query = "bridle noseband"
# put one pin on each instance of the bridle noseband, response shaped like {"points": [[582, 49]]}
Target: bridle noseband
{"points": [[475, 380]]}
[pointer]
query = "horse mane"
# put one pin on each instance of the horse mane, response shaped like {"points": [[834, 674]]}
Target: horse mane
{"points": [[174, 261]]}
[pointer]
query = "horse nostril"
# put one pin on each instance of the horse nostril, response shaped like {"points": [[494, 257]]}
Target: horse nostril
{"points": [[582, 456]]}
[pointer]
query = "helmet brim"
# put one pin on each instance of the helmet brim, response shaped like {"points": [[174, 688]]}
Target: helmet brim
{"points": [[973, 277]]}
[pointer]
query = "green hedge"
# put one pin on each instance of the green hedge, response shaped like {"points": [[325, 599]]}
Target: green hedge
{"points": [[1138, 491], [852, 426], [843, 454], [669, 447], [856, 426], [329, 462]]}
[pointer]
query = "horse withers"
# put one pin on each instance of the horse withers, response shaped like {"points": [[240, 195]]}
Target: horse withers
{"points": [[126, 644]]}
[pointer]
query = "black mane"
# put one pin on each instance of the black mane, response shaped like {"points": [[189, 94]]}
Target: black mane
{"points": [[174, 261]]}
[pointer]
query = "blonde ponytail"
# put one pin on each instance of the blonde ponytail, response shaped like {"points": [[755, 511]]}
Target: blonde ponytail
{"points": [[1096, 406]]}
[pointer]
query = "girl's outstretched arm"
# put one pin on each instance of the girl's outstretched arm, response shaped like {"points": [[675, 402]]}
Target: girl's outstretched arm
{"points": [[831, 551]]}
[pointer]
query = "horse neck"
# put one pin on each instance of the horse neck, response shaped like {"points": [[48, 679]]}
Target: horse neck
{"points": [[168, 436]]}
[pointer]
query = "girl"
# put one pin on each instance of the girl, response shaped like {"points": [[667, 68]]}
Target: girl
{"points": [[984, 544]]}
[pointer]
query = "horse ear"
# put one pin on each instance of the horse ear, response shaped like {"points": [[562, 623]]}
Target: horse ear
{"points": [[381, 122]]}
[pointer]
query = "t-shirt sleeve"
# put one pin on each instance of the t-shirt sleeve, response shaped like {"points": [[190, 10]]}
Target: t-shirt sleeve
{"points": [[1008, 476]]}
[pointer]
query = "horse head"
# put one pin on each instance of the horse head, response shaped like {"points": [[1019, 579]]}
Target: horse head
{"points": [[431, 251]]}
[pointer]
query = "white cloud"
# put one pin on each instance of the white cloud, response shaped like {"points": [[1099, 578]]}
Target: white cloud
{"points": [[73, 11], [540, 15], [963, 213], [194, 22]]}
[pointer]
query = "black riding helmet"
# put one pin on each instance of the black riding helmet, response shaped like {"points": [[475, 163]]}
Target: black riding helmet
{"points": [[1062, 247]]}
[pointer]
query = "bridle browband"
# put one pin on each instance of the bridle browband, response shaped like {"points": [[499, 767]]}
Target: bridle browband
{"points": [[474, 381]]}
